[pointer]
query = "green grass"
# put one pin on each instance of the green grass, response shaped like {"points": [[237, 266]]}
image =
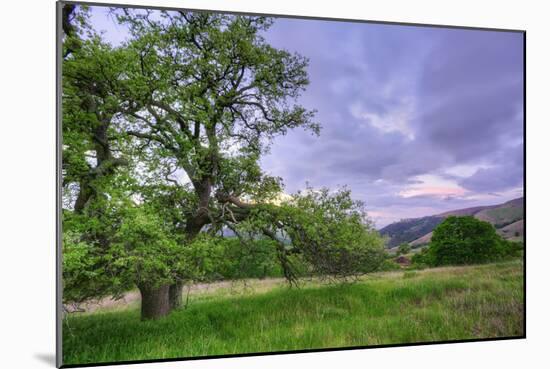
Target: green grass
{"points": [[388, 308]]}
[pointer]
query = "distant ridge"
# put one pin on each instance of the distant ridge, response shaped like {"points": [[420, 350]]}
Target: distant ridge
{"points": [[507, 218], [467, 211]]}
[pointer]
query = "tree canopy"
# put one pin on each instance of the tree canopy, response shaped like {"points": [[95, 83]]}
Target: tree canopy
{"points": [[465, 240], [162, 137]]}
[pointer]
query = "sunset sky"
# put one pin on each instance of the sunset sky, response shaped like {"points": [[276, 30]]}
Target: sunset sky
{"points": [[416, 120]]}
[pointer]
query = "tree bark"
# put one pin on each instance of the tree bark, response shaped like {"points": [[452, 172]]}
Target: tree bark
{"points": [[155, 302], [176, 295], [193, 227]]}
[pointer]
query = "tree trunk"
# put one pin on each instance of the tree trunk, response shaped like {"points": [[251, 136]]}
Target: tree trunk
{"points": [[176, 288], [192, 229], [175, 295], [154, 302]]}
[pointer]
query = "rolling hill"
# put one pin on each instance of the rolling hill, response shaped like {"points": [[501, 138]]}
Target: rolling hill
{"points": [[408, 230], [507, 218]]}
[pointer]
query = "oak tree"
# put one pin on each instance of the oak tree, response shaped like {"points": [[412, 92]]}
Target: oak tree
{"points": [[163, 136]]}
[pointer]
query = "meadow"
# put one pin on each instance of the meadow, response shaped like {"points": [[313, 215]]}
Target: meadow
{"points": [[409, 306]]}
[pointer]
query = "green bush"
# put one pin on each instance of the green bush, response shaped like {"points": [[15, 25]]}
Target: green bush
{"points": [[422, 259], [404, 248], [511, 249], [465, 240], [388, 265], [81, 276]]}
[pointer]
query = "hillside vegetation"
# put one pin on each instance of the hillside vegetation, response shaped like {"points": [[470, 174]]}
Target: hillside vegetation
{"points": [[514, 231], [409, 229], [501, 217], [449, 303], [417, 231]]}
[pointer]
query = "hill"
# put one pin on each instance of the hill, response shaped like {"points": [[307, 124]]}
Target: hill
{"points": [[513, 232], [422, 240], [408, 230], [507, 218]]}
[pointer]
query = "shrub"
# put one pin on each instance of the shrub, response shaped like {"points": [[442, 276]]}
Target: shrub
{"points": [[511, 249], [403, 249], [422, 259], [389, 265], [81, 277], [464, 240]]}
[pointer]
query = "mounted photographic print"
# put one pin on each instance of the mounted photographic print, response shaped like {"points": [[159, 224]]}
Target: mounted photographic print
{"points": [[238, 184]]}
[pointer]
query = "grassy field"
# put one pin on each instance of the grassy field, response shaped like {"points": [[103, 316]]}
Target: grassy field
{"points": [[395, 307]]}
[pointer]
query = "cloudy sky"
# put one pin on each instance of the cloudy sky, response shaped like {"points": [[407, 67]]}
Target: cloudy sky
{"points": [[416, 120]]}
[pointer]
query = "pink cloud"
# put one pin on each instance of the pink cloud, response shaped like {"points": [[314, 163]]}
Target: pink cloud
{"points": [[441, 192]]}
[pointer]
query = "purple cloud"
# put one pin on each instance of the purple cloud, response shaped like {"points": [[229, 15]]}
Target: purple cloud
{"points": [[405, 110]]}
